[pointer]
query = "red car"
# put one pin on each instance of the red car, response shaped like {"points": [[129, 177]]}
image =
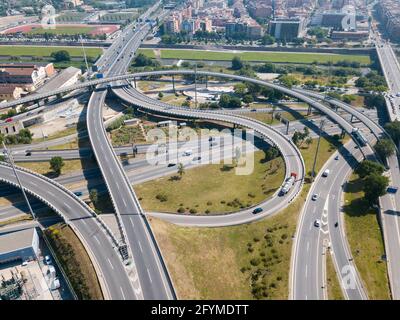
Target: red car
{"points": [[9, 120]]}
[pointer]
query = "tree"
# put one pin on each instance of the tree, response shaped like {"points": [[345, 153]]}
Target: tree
{"points": [[160, 95], [141, 60], [94, 196], [181, 170], [62, 55], [271, 153], [237, 63], [368, 167], [56, 164], [385, 148], [240, 89], [393, 128], [374, 187]]}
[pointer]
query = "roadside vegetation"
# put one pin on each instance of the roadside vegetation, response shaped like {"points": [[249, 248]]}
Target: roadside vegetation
{"points": [[75, 262], [333, 284], [256, 256], [365, 239]]}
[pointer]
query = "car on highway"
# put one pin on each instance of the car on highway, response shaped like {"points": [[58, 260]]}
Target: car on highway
{"points": [[8, 120], [314, 197], [317, 223], [258, 210], [171, 165], [325, 173], [187, 153], [337, 157], [78, 193], [28, 153], [213, 144], [198, 158], [47, 260]]}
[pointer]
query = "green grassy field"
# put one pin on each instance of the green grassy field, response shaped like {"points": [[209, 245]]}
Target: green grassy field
{"points": [[278, 57], [260, 251], [365, 239], [46, 51], [64, 30], [238, 191]]}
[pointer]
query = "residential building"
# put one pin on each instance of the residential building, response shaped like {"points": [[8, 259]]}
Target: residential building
{"points": [[10, 92]]}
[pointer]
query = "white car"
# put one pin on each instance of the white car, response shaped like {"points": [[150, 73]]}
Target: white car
{"points": [[317, 223], [47, 260], [314, 197], [325, 173]]}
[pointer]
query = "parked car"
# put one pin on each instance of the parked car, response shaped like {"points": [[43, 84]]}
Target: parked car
{"points": [[78, 193], [47, 260], [317, 223]]}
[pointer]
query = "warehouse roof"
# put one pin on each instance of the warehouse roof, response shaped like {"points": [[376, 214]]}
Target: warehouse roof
{"points": [[58, 81], [16, 240]]}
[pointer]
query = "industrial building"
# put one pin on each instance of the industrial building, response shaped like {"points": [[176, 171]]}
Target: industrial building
{"points": [[19, 245], [65, 78]]}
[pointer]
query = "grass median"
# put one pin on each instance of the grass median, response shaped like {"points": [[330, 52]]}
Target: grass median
{"points": [[365, 239], [276, 57]]}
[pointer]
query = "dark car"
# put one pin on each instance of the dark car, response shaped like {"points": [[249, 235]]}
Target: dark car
{"points": [[78, 193], [171, 164], [28, 153], [257, 210]]}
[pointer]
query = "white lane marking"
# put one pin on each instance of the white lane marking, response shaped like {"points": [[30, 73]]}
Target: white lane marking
{"points": [[123, 199], [50, 193], [110, 263], [133, 225], [148, 272], [306, 271], [308, 246], [140, 247], [97, 240], [122, 291], [84, 222], [34, 184], [67, 206]]}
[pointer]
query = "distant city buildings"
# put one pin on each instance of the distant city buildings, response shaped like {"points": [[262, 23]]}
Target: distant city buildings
{"points": [[214, 16], [389, 14]]}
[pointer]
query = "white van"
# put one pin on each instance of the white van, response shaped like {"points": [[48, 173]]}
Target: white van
{"points": [[187, 153], [325, 173]]}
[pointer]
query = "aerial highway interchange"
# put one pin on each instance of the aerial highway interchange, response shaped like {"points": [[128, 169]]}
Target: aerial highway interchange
{"points": [[133, 267]]}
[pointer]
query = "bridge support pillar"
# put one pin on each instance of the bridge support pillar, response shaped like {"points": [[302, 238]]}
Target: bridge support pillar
{"points": [[309, 111], [134, 81], [38, 103], [342, 134], [173, 84], [287, 127], [206, 82], [351, 119]]}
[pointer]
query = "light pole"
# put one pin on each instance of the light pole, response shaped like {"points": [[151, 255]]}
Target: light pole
{"points": [[316, 151], [195, 85], [8, 155], [84, 54]]}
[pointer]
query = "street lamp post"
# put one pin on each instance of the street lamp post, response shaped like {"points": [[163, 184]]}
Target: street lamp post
{"points": [[316, 151], [8, 154]]}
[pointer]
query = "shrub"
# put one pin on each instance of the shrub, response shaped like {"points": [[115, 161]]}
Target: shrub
{"points": [[162, 197]]}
